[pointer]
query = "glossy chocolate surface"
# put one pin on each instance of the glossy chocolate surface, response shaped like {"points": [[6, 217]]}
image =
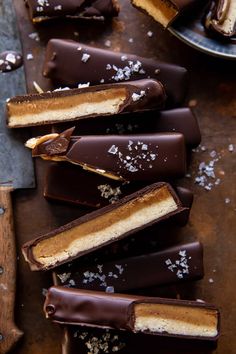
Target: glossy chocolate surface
{"points": [[68, 183], [84, 340], [103, 310], [81, 9], [63, 64], [139, 96], [171, 265], [146, 157]]}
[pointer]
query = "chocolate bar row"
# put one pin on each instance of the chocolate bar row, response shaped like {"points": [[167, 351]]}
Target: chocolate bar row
{"points": [[150, 315]]}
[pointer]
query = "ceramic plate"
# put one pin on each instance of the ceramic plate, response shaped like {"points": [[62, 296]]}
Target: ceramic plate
{"points": [[191, 32]]}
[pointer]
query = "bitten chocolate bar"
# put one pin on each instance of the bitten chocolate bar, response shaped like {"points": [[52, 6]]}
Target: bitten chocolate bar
{"points": [[163, 11], [42, 10], [221, 17], [147, 157], [69, 63], [141, 209], [75, 104], [174, 264], [67, 183], [151, 315]]}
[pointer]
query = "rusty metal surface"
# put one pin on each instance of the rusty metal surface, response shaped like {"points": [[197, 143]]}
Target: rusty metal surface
{"points": [[213, 217]]}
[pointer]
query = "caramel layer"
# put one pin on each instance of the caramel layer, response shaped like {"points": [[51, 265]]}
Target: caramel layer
{"points": [[104, 228], [163, 11], [180, 320], [65, 108]]}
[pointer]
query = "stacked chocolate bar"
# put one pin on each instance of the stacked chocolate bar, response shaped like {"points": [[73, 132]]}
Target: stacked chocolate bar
{"points": [[121, 155]]}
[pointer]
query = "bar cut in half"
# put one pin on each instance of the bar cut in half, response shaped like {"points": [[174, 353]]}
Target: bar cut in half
{"points": [[151, 315], [104, 226], [163, 11], [87, 102]]}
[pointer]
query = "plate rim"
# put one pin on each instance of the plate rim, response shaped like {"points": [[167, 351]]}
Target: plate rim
{"points": [[178, 34]]}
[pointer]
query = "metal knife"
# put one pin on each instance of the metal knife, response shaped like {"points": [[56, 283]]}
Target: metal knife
{"points": [[16, 171]]}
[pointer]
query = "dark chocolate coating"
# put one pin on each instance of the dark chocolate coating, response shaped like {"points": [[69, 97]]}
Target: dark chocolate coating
{"points": [[146, 157], [149, 157], [140, 96], [68, 183], [10, 61], [183, 4], [81, 9], [179, 120], [27, 248], [78, 340], [153, 269], [103, 310], [64, 66]]}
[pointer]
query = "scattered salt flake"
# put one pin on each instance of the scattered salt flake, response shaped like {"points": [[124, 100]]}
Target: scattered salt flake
{"points": [[84, 85], [137, 97], [29, 56], [231, 148], [110, 289], [108, 43], [200, 300], [123, 58], [72, 282], [211, 280], [34, 36], [131, 40], [44, 292], [85, 57], [11, 58], [150, 34], [113, 150], [64, 277], [227, 200], [58, 7]]}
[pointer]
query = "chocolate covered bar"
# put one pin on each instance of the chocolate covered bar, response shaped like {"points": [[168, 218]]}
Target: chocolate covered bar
{"points": [[69, 63], [174, 264], [42, 10], [151, 315], [163, 11], [141, 209], [67, 183], [147, 157], [75, 104], [96, 340], [221, 17]]}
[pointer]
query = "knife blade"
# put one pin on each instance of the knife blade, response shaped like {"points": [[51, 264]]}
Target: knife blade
{"points": [[16, 171]]}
